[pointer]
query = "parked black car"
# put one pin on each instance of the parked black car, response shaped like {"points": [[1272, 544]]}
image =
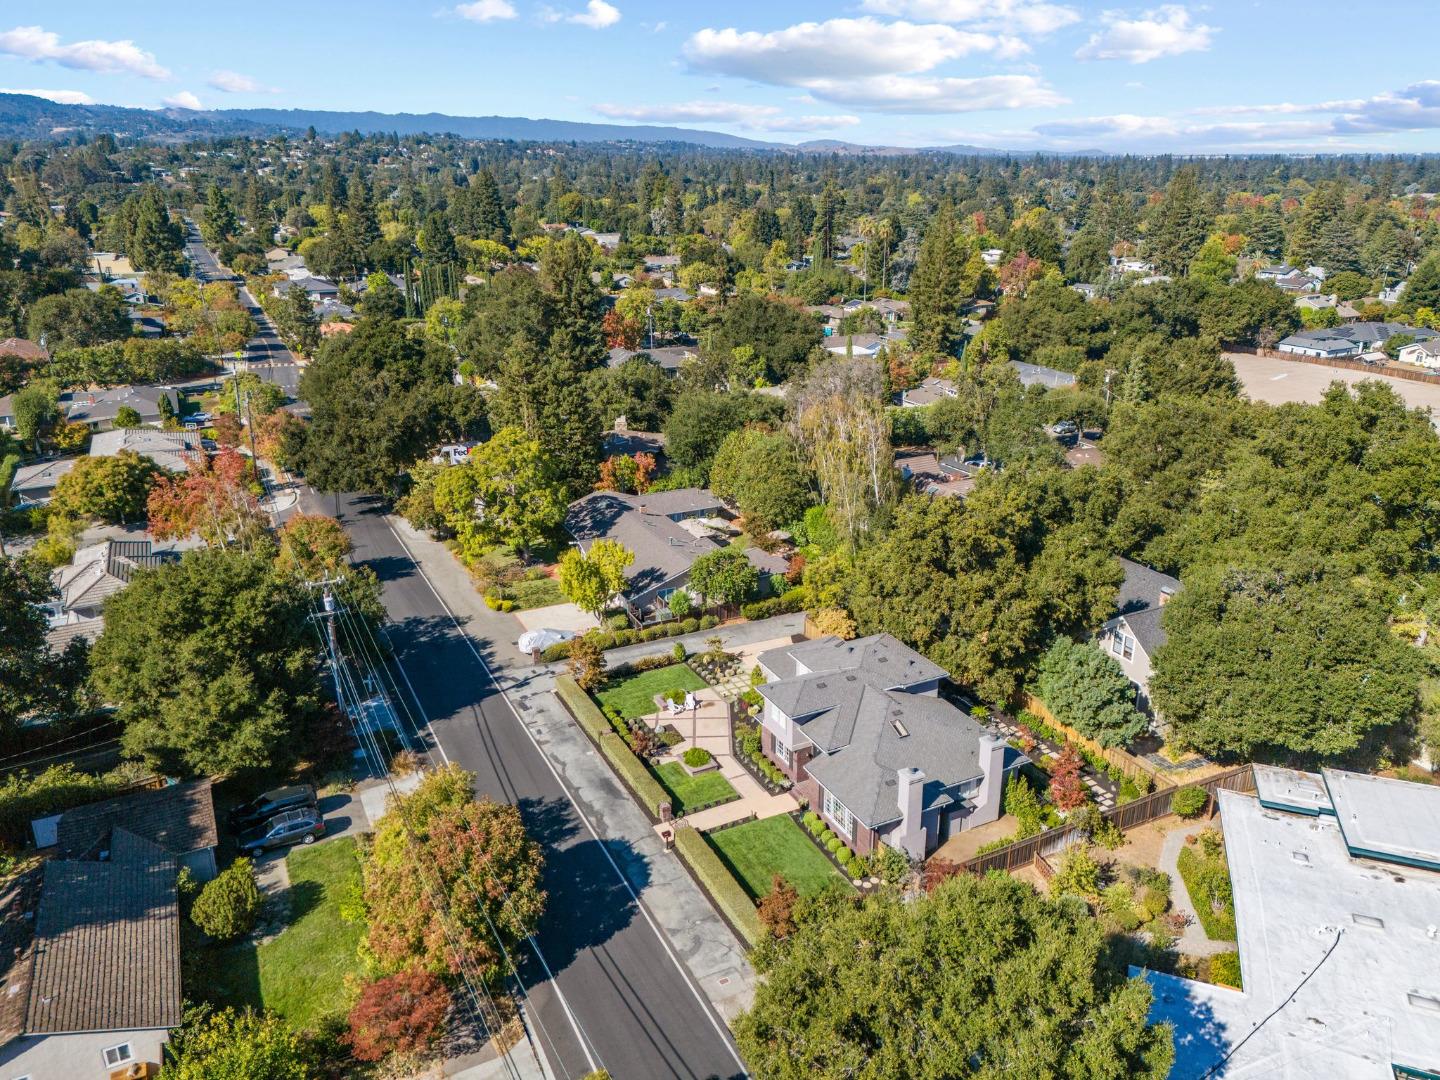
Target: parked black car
{"points": [[282, 830], [262, 808]]}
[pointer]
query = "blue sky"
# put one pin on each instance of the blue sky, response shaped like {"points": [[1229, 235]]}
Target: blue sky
{"points": [[1225, 76]]}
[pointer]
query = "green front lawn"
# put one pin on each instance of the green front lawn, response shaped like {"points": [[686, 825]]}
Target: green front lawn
{"points": [[634, 696], [301, 973], [758, 850], [686, 791], [535, 593]]}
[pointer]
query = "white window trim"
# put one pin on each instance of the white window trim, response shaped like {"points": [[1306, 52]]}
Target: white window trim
{"points": [[784, 753], [833, 809], [128, 1057]]}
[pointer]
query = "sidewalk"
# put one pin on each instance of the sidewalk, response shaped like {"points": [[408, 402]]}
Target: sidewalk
{"points": [[715, 958]]}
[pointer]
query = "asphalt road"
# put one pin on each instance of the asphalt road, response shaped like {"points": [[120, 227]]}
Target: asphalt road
{"points": [[266, 353], [614, 995]]}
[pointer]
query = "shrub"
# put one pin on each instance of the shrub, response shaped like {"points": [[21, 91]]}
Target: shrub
{"points": [[1067, 790], [1225, 969], [708, 622], [587, 664], [811, 821], [1189, 802], [1023, 804], [1078, 874], [618, 622], [729, 895], [834, 844], [227, 907], [854, 867], [787, 603], [891, 864], [397, 1014], [1208, 883], [696, 757], [777, 909], [678, 652]]}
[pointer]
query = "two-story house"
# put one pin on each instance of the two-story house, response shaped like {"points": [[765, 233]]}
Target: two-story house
{"points": [[1134, 633], [860, 729]]}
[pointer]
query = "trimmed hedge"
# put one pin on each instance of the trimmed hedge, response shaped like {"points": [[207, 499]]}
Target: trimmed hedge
{"points": [[616, 639], [627, 766], [727, 893], [787, 603]]}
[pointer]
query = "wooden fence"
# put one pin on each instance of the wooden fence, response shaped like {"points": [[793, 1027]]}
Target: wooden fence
{"points": [[1390, 370], [1052, 842], [1128, 764]]}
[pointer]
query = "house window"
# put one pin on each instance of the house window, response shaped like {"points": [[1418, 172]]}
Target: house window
{"points": [[1122, 644], [118, 1055], [835, 810], [782, 752]]}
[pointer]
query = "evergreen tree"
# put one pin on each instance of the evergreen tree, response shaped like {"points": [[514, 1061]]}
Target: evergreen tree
{"points": [[937, 289], [575, 334], [154, 241], [220, 223], [1180, 225], [1423, 288]]}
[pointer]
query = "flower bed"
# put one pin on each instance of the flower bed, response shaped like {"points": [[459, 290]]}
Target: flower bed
{"points": [[1207, 880], [745, 744], [845, 860]]}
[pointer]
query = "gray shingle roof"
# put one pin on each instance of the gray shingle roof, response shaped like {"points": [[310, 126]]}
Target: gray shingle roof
{"points": [[166, 448], [1140, 603], [889, 730], [180, 818], [880, 655], [107, 943], [643, 523]]}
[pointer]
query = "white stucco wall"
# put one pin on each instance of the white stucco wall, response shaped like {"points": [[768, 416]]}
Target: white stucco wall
{"points": [[75, 1057]]}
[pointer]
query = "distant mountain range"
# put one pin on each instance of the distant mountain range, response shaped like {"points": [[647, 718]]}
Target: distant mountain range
{"points": [[25, 117]]}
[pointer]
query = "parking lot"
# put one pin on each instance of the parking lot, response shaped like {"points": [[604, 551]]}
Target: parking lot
{"points": [[1278, 381]]}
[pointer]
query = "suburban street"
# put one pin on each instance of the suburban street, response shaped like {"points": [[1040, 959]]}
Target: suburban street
{"points": [[620, 998], [266, 353]]}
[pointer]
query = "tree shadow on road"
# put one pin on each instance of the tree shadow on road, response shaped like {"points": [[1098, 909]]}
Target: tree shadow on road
{"points": [[581, 878]]}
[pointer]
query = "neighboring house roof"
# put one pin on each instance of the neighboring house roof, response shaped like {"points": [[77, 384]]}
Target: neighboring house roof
{"points": [[862, 344], [180, 818], [1356, 336], [95, 406], [107, 943], [928, 392], [1142, 596], [669, 357], [166, 448], [41, 476], [59, 636], [681, 295], [647, 525], [634, 442], [311, 285], [101, 570], [1337, 949], [1039, 375], [1422, 348]]}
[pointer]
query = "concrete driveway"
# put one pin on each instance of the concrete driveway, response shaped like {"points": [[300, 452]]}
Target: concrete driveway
{"points": [[556, 617]]}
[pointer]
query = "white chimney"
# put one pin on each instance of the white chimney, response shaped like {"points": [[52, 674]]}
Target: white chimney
{"points": [[989, 797], [911, 795]]}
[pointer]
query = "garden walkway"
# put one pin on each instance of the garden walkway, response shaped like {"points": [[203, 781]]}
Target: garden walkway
{"points": [[708, 727], [1103, 790], [1194, 941]]}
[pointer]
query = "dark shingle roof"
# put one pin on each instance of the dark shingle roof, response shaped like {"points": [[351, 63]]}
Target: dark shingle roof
{"points": [[179, 818], [889, 730], [107, 943], [643, 523], [1140, 603]]}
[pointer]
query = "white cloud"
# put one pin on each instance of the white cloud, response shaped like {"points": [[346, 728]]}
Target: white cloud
{"points": [[183, 100], [838, 49], [486, 10], [597, 15], [108, 57], [232, 82], [1414, 108], [1020, 16], [1156, 132], [927, 94], [753, 117], [1166, 31], [60, 97]]}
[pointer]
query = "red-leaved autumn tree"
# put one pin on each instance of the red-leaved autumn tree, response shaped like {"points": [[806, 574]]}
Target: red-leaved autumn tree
{"points": [[1067, 790], [212, 499], [398, 1014], [620, 332]]}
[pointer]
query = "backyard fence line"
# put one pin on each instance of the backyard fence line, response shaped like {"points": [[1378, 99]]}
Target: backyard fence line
{"points": [[1127, 763], [1129, 816], [1340, 362]]}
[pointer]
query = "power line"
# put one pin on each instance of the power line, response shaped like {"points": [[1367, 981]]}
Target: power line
{"points": [[345, 686], [374, 658]]}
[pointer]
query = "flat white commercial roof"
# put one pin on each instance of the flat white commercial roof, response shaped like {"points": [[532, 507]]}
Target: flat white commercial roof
{"points": [[1387, 819], [1340, 960], [1291, 789]]}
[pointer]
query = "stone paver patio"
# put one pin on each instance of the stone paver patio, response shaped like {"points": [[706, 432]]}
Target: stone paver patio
{"points": [[708, 727]]}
